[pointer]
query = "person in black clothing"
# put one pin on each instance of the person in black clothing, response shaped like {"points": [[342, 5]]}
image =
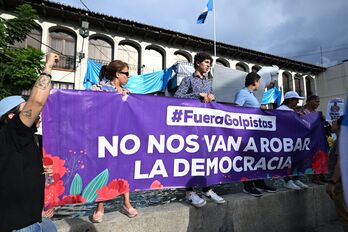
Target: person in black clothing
{"points": [[21, 169]]}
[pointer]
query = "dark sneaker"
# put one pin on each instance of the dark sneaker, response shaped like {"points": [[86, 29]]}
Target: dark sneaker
{"points": [[265, 188], [252, 191]]}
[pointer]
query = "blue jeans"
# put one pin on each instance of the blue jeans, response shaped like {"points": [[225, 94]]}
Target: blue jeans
{"points": [[45, 226]]}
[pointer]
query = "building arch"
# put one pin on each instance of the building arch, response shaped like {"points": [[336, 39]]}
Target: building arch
{"points": [[158, 61], [62, 28], [104, 37], [310, 87], [223, 62], [287, 81], [299, 84], [100, 49], [184, 54], [129, 51], [255, 68], [63, 39], [241, 66], [33, 39]]}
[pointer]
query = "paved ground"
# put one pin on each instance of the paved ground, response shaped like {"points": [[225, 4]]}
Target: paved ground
{"points": [[333, 227]]}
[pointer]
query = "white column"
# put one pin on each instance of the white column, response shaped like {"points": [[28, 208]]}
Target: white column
{"points": [[45, 37], [293, 81], [81, 67], [315, 85], [304, 87], [168, 54], [116, 42], [142, 57]]}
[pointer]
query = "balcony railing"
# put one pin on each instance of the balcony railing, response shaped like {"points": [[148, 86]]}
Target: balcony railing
{"points": [[66, 62], [102, 62]]}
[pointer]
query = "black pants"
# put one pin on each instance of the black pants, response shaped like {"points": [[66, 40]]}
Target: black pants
{"points": [[205, 189], [254, 183], [287, 178]]}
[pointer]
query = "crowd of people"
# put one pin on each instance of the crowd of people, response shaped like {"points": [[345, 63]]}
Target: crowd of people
{"points": [[20, 156]]}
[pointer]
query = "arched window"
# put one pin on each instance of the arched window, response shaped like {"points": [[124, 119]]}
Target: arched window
{"points": [[182, 56], [298, 86], [33, 39], [222, 62], [242, 67], [100, 50], [286, 82], [64, 42], [154, 59], [255, 68], [130, 54], [309, 86]]}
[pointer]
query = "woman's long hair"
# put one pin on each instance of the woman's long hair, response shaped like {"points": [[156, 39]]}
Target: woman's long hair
{"points": [[109, 71]]}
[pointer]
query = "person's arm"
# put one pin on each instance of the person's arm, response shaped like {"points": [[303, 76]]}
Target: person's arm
{"points": [[211, 96], [39, 93], [183, 89]]}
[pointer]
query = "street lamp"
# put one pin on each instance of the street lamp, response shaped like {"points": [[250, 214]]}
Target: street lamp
{"points": [[84, 32]]}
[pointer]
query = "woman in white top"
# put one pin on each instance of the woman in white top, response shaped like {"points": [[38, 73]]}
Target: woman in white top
{"points": [[290, 102]]}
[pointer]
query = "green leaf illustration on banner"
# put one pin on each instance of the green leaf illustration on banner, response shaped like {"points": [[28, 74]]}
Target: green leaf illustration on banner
{"points": [[89, 193], [295, 172], [76, 185], [309, 171]]}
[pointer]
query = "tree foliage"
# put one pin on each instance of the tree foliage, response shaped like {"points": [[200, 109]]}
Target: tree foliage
{"points": [[19, 66]]}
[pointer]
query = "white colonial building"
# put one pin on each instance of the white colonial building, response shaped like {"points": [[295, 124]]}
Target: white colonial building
{"points": [[79, 34]]}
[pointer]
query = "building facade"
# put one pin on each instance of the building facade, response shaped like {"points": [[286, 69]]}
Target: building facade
{"points": [[79, 34], [333, 83]]}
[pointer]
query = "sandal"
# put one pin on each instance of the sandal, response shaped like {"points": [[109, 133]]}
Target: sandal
{"points": [[97, 217], [130, 212]]}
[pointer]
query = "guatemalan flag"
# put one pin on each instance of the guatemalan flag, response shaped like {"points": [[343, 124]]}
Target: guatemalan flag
{"points": [[344, 152], [203, 16]]}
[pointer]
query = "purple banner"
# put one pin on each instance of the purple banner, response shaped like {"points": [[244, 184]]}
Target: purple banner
{"points": [[103, 144]]}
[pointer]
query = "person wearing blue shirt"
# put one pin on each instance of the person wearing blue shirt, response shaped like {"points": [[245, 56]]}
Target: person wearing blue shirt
{"points": [[197, 86], [246, 97]]}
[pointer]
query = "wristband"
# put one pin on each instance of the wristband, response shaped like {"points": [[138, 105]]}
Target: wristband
{"points": [[46, 74]]}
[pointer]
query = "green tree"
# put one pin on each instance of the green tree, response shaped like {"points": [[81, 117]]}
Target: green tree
{"points": [[19, 66]]}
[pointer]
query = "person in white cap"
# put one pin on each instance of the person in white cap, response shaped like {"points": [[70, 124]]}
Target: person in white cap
{"points": [[291, 99], [21, 168]]}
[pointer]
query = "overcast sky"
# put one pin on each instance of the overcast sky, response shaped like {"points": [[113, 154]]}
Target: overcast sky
{"points": [[295, 29]]}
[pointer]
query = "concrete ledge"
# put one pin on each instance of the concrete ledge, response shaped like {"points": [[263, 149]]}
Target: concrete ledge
{"points": [[282, 211]]}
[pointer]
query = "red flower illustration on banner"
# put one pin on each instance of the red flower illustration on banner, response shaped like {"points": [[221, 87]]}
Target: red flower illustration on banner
{"points": [[244, 179], [47, 161], [53, 191], [156, 185], [289, 171], [113, 189], [58, 164], [72, 199], [320, 162]]}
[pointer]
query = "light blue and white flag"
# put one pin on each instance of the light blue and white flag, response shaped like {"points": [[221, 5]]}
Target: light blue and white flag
{"points": [[203, 16], [344, 153]]}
